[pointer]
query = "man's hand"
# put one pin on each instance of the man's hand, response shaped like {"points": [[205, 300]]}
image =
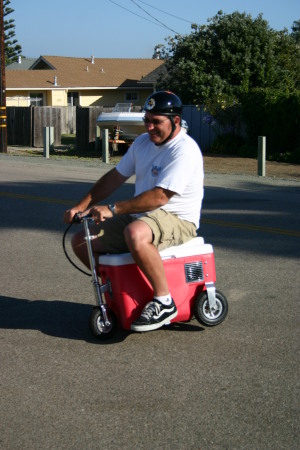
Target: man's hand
{"points": [[70, 213], [99, 213]]}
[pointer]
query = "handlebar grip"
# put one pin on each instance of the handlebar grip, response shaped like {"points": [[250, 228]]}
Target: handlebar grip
{"points": [[77, 219]]}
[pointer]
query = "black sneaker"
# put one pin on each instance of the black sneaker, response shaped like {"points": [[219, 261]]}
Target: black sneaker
{"points": [[154, 316]]}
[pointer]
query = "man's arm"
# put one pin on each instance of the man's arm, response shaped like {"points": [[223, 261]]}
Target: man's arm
{"points": [[105, 186], [147, 201]]}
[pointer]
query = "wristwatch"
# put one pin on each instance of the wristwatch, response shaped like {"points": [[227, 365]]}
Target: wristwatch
{"points": [[112, 208]]}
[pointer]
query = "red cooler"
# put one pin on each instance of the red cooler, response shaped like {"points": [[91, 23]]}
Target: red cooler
{"points": [[188, 268]]}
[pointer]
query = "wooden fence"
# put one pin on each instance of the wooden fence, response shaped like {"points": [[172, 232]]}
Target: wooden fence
{"points": [[25, 124], [86, 125], [19, 126]]}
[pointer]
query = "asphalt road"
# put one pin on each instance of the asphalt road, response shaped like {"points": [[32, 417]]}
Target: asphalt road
{"points": [[234, 386]]}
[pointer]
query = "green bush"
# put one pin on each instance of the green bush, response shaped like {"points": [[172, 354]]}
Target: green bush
{"points": [[276, 115], [68, 139], [227, 144]]}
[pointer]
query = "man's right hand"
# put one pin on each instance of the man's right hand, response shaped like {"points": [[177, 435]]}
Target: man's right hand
{"points": [[70, 213]]}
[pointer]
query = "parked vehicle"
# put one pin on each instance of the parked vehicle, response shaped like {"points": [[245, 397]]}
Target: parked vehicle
{"points": [[124, 125]]}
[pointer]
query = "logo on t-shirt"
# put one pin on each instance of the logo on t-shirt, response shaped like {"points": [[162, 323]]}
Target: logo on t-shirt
{"points": [[155, 171]]}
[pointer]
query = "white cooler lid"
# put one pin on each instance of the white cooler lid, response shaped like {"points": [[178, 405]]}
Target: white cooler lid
{"points": [[193, 247]]}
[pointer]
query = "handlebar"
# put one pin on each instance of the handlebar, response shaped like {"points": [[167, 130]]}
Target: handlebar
{"points": [[77, 219]]}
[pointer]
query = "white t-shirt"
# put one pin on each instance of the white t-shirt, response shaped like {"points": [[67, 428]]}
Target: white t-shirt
{"points": [[176, 166]]}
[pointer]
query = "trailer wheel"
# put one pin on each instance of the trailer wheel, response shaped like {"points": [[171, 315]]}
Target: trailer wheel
{"points": [[122, 149], [97, 326], [205, 315]]}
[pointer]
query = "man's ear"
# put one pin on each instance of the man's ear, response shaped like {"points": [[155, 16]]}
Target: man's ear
{"points": [[177, 120]]}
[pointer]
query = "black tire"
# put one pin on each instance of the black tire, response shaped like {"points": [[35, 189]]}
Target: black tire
{"points": [[98, 327], [203, 313], [122, 149]]}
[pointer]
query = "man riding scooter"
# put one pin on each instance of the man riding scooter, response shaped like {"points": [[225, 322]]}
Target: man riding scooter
{"points": [[165, 209]]}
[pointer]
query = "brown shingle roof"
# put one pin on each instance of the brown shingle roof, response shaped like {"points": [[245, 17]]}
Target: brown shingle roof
{"points": [[81, 73]]}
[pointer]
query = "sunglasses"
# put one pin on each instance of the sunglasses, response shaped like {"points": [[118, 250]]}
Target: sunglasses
{"points": [[153, 121]]}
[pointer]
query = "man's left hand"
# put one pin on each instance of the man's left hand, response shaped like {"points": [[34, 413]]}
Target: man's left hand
{"points": [[99, 213]]}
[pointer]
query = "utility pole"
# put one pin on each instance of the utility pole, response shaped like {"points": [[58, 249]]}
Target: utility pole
{"points": [[3, 121]]}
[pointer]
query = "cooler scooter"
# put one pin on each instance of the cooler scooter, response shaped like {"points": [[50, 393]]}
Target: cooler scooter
{"points": [[121, 290]]}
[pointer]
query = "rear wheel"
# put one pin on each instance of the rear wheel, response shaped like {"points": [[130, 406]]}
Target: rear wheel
{"points": [[122, 149], [98, 327], [210, 316]]}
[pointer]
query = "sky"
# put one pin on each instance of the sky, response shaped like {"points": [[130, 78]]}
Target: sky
{"points": [[126, 28]]}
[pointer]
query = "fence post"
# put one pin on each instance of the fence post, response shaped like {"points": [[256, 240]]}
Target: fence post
{"points": [[48, 140], [105, 146], [51, 137], [97, 137], [261, 156]]}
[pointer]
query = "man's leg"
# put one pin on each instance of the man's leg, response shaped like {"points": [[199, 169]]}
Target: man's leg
{"points": [[80, 247], [138, 236], [162, 308], [107, 237]]}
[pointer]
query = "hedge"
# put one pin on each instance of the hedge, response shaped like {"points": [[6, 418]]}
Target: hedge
{"points": [[276, 115]]}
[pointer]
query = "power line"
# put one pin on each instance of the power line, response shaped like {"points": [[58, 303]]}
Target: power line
{"points": [[165, 12], [163, 24], [157, 22], [131, 12]]}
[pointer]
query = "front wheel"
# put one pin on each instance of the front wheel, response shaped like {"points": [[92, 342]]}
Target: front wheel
{"points": [[98, 327], [210, 316]]}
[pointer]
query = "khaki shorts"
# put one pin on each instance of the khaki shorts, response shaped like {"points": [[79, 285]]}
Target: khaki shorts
{"points": [[167, 229]]}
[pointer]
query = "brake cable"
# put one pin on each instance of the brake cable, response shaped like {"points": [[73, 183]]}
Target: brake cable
{"points": [[65, 250]]}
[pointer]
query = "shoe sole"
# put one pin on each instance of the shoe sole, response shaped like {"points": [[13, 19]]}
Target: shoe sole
{"points": [[154, 326]]}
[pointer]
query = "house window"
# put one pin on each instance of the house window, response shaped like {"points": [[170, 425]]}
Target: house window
{"points": [[73, 99], [36, 100], [131, 97]]}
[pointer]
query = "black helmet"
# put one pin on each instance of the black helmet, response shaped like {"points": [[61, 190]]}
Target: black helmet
{"points": [[165, 103]]}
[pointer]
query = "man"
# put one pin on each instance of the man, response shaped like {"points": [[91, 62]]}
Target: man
{"points": [[165, 210]]}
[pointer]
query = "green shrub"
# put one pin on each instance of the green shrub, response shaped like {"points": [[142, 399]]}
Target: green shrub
{"points": [[276, 115], [227, 144]]}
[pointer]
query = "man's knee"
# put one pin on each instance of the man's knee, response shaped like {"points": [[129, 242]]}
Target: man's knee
{"points": [[131, 236], [77, 240], [137, 234]]}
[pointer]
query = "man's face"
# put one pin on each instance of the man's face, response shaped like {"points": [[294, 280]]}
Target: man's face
{"points": [[158, 127]]}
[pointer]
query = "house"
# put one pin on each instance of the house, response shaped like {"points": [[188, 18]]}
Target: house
{"points": [[68, 81]]}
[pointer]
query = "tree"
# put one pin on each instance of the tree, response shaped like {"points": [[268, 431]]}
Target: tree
{"points": [[228, 57], [296, 31], [12, 48], [239, 68]]}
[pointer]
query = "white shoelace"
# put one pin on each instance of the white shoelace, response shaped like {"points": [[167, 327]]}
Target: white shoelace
{"points": [[151, 309]]}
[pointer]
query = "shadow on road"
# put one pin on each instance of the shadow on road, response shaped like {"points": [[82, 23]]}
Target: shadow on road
{"points": [[66, 320], [40, 206]]}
